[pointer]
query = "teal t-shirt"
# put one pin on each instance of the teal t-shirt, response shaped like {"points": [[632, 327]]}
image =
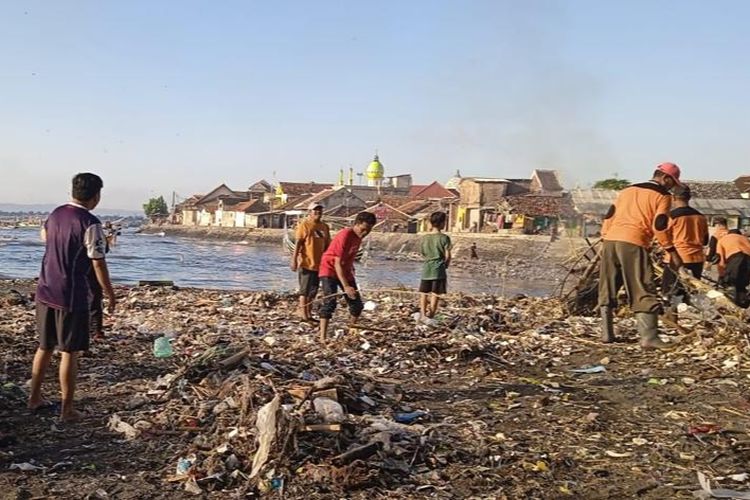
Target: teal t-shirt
{"points": [[434, 247]]}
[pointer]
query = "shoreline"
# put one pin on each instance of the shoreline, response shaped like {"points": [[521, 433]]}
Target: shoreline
{"points": [[489, 245]]}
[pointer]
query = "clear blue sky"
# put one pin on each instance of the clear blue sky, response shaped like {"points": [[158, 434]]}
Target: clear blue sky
{"points": [[182, 95]]}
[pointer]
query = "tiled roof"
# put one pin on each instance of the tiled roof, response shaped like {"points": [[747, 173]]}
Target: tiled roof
{"points": [[387, 211], [291, 202], [303, 188], [713, 190], [393, 200], [262, 186], [249, 207], [304, 202], [416, 206], [419, 206], [188, 202], [541, 206], [416, 188], [342, 211], [434, 190]]}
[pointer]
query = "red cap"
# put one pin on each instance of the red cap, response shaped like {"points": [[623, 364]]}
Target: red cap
{"points": [[671, 170]]}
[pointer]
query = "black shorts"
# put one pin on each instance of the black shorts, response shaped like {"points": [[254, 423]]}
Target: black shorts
{"points": [[438, 287], [68, 331], [308, 282]]}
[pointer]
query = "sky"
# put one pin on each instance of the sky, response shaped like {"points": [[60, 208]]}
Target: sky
{"points": [[180, 96]]}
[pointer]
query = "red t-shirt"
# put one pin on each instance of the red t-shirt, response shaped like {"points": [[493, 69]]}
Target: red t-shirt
{"points": [[345, 245]]}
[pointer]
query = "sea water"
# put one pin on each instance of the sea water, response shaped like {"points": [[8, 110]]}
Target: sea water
{"points": [[191, 262]]}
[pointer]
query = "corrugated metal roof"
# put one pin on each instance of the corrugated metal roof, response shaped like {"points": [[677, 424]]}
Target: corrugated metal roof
{"points": [[593, 201], [738, 207]]}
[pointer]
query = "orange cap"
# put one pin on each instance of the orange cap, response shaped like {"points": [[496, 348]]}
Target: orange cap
{"points": [[671, 170]]}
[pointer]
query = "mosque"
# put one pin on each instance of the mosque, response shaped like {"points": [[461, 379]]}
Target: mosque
{"points": [[376, 181], [375, 177]]}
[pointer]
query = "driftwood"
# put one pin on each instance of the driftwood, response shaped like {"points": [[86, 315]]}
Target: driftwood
{"points": [[359, 453], [582, 298]]}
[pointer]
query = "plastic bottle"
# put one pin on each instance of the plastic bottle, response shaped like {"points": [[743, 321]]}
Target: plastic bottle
{"points": [[163, 347]]}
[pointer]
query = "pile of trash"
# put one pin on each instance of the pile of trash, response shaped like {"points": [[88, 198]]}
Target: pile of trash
{"points": [[495, 396]]}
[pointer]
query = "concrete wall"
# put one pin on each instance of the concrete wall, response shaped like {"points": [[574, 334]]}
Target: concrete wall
{"points": [[482, 193]]}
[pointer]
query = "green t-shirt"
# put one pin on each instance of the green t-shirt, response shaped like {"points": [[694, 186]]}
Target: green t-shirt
{"points": [[434, 247]]}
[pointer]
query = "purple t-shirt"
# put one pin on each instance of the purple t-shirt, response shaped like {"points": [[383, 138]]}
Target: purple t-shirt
{"points": [[74, 236]]}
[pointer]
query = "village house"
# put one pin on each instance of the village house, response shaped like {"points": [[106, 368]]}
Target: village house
{"points": [[434, 191], [206, 210], [261, 190], [186, 212], [243, 214], [291, 192], [337, 202], [420, 211], [485, 202], [333, 198], [391, 219], [533, 214]]}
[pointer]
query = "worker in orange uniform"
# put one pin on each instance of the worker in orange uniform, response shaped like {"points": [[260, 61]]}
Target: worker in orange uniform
{"points": [[721, 229], [640, 213], [690, 236], [734, 264]]}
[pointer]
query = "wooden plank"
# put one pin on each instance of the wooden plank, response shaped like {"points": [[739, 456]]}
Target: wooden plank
{"points": [[156, 283], [322, 428]]}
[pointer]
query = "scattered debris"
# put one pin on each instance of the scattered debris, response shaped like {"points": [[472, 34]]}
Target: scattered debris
{"points": [[482, 403]]}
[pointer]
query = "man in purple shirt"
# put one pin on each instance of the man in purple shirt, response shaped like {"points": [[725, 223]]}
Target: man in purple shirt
{"points": [[74, 242]]}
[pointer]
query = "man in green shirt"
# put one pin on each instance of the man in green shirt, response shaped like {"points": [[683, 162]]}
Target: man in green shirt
{"points": [[436, 250]]}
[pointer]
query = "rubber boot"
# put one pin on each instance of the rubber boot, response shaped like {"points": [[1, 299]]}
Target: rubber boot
{"points": [[648, 329], [608, 329]]}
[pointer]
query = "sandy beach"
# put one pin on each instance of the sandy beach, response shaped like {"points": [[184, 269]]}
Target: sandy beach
{"points": [[487, 402]]}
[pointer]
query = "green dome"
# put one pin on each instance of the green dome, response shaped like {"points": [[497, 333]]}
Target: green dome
{"points": [[375, 169]]}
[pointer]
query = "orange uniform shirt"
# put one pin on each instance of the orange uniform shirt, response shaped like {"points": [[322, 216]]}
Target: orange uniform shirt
{"points": [[689, 234], [719, 233], [729, 245], [315, 238], [640, 213]]}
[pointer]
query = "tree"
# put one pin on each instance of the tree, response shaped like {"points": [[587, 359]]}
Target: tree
{"points": [[156, 207], [612, 183]]}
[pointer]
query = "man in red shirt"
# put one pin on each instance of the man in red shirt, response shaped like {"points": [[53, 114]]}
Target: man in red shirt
{"points": [[337, 270]]}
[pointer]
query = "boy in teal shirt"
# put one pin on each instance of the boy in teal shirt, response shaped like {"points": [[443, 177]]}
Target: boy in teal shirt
{"points": [[436, 250]]}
